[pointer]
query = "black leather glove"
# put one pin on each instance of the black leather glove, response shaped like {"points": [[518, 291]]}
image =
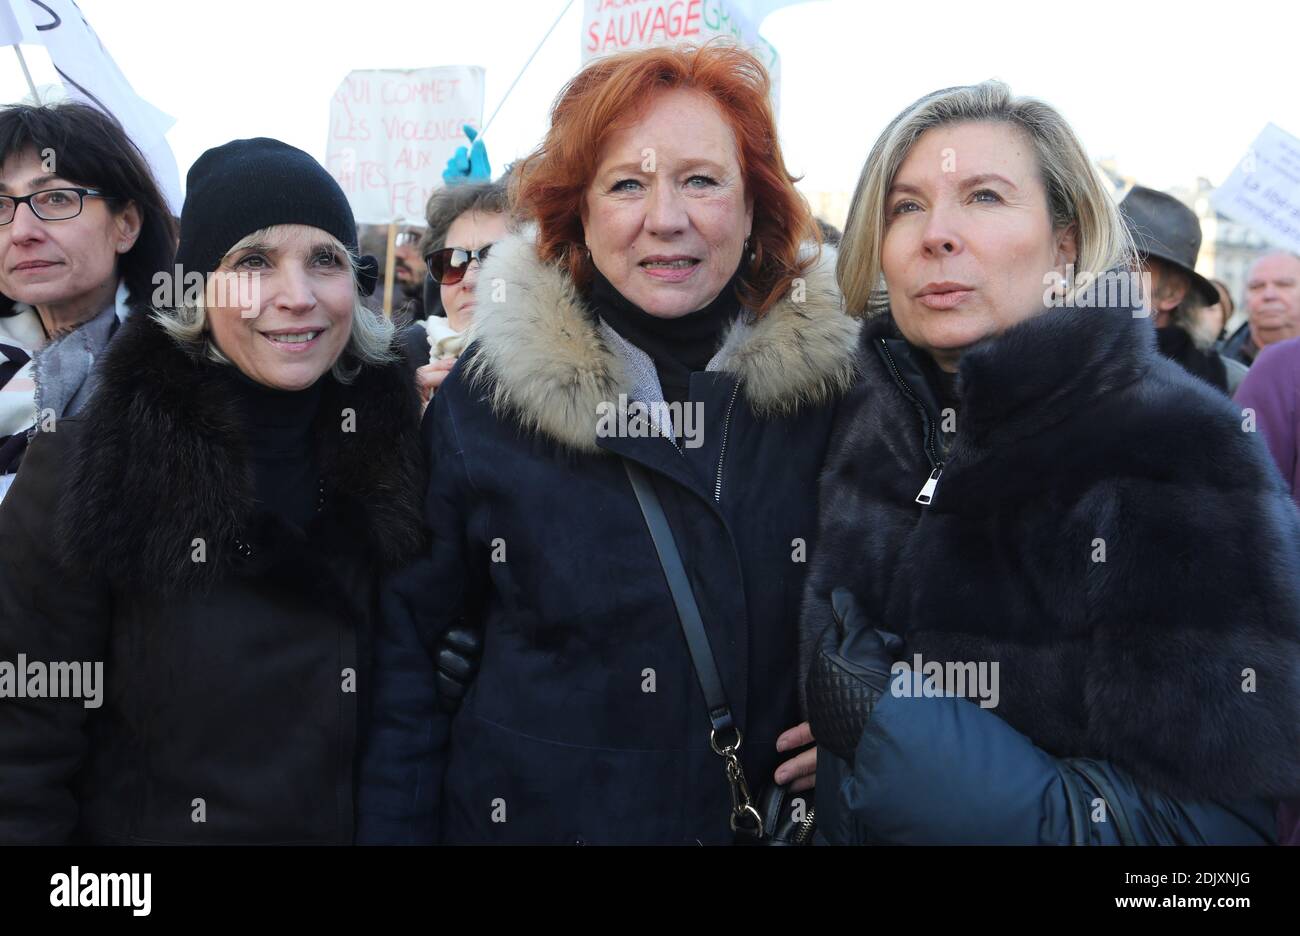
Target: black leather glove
{"points": [[850, 672], [458, 659]]}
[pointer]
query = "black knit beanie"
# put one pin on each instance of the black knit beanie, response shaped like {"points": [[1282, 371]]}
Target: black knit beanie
{"points": [[246, 185]]}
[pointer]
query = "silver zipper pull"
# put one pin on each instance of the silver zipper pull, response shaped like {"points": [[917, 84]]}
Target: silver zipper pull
{"points": [[927, 492]]}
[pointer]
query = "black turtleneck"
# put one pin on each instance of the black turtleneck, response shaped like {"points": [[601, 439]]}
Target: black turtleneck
{"points": [[677, 346], [278, 423]]}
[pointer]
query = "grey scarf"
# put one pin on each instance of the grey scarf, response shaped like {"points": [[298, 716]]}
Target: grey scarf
{"points": [[63, 368]]}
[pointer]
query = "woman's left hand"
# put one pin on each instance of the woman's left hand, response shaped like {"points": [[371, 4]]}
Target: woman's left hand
{"points": [[799, 771]]}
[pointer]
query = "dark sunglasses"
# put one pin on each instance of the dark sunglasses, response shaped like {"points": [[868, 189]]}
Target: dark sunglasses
{"points": [[448, 266]]}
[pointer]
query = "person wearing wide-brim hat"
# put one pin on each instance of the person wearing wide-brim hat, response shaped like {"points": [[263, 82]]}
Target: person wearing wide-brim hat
{"points": [[244, 476], [1167, 235]]}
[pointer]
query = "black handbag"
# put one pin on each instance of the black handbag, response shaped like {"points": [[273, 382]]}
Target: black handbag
{"points": [[777, 817]]}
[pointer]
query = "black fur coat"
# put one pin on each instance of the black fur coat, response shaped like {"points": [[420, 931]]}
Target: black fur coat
{"points": [[1103, 529], [231, 675]]}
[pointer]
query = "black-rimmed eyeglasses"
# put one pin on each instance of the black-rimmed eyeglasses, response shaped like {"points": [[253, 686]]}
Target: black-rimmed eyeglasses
{"points": [[56, 204]]}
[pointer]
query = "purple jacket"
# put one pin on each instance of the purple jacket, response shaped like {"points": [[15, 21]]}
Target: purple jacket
{"points": [[1272, 390]]}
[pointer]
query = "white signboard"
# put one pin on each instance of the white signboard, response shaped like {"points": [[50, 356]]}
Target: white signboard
{"points": [[610, 26], [392, 132], [1263, 192]]}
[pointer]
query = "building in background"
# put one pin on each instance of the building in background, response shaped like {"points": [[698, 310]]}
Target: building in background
{"points": [[831, 207]]}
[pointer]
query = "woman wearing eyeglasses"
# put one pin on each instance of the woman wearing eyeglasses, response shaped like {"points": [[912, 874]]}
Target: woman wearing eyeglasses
{"points": [[465, 220], [83, 229]]}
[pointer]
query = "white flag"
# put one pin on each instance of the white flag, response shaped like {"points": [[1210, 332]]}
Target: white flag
{"points": [[90, 75], [11, 30]]}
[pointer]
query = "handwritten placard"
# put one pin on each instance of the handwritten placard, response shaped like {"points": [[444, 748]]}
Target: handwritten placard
{"points": [[392, 132], [610, 26], [1263, 192]]}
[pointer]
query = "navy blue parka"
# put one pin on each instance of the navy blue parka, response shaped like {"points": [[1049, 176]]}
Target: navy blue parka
{"points": [[585, 722]]}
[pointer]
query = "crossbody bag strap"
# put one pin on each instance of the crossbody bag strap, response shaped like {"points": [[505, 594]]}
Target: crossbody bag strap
{"points": [[724, 734]]}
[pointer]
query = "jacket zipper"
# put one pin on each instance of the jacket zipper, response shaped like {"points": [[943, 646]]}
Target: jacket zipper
{"points": [[804, 832], [932, 453], [722, 451]]}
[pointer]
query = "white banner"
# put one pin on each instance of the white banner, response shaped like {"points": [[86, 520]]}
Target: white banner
{"points": [[90, 75], [11, 30], [1263, 192], [392, 132], [610, 26]]}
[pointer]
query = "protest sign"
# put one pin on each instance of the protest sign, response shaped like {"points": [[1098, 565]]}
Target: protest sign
{"points": [[392, 132], [1263, 192], [610, 26]]}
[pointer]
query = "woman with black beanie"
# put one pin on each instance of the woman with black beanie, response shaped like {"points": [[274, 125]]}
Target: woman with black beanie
{"points": [[192, 630]]}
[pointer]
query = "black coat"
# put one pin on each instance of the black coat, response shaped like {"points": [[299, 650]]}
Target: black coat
{"points": [[1105, 531], [1175, 343], [586, 721], [225, 679]]}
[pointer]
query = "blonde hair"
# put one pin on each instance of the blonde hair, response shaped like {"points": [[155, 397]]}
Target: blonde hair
{"points": [[1076, 193], [369, 343]]}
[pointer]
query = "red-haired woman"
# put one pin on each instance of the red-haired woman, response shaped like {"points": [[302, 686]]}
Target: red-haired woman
{"points": [[664, 311]]}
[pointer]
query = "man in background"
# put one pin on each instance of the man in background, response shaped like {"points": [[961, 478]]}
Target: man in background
{"points": [[1272, 306]]}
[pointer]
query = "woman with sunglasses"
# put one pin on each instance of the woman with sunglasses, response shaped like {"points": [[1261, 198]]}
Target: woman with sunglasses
{"points": [[465, 220], [83, 229]]}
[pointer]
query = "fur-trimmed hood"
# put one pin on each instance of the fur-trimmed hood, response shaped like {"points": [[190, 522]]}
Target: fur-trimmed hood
{"points": [[539, 347], [160, 460]]}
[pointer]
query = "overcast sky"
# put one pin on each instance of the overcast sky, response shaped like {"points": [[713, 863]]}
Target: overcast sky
{"points": [[1171, 90]]}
